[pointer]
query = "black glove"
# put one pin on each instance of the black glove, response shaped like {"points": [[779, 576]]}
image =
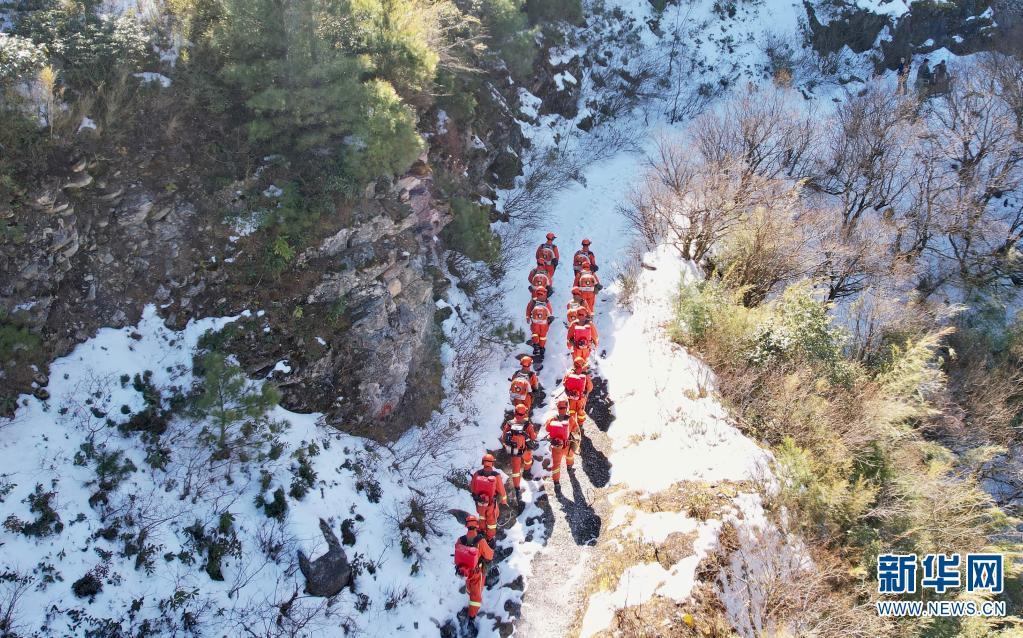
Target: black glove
{"points": [[598, 287], [550, 320], [555, 262], [532, 445], [594, 268]]}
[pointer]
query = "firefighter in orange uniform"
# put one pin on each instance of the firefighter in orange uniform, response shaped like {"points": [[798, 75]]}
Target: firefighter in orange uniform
{"points": [[521, 393], [589, 285], [584, 257], [540, 315], [582, 335], [548, 253], [487, 488], [518, 437], [560, 428], [578, 386], [472, 553], [574, 305], [525, 371], [540, 278]]}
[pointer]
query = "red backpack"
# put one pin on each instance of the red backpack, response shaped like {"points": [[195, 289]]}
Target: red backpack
{"points": [[581, 335], [483, 488], [558, 430], [467, 557], [575, 383]]}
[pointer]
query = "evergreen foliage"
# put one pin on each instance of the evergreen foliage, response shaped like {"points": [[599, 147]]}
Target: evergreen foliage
{"points": [[304, 93], [469, 233], [236, 410], [88, 46]]}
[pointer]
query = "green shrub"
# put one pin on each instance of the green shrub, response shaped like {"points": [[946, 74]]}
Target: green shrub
{"points": [[89, 45], [20, 59], [237, 428], [17, 342], [87, 586], [469, 232], [303, 93], [456, 95], [510, 35], [47, 521], [857, 475], [797, 325], [699, 310]]}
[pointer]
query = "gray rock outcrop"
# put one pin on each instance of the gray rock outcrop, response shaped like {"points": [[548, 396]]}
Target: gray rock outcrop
{"points": [[329, 574]]}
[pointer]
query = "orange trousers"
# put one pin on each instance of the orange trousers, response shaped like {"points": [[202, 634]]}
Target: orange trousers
{"points": [[488, 516], [578, 406], [590, 299], [519, 465], [540, 333], [580, 352], [566, 453], [474, 587]]}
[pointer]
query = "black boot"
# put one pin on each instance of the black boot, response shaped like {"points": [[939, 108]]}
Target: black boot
{"points": [[493, 575]]}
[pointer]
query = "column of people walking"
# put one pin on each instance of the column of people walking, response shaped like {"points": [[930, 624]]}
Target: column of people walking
{"points": [[518, 438]]}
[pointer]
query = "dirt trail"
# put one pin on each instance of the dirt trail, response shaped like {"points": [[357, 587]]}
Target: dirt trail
{"points": [[574, 518]]}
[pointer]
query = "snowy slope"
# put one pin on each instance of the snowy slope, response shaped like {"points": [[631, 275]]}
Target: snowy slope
{"points": [[40, 445]]}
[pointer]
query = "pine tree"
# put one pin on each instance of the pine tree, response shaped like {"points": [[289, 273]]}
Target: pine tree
{"points": [[304, 93], [235, 410]]}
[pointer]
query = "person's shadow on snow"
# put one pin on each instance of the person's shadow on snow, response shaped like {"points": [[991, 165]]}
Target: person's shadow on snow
{"points": [[581, 518], [595, 463]]}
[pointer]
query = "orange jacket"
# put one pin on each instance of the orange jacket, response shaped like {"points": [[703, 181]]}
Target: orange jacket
{"points": [[539, 277], [581, 255], [539, 311], [548, 252], [528, 432], [498, 483], [564, 422], [529, 375], [588, 282], [480, 543], [520, 389]]}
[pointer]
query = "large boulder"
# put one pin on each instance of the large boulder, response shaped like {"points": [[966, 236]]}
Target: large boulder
{"points": [[329, 574]]}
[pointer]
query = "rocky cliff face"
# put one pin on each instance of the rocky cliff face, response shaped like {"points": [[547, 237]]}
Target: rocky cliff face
{"points": [[96, 250], [94, 246], [348, 329], [963, 27]]}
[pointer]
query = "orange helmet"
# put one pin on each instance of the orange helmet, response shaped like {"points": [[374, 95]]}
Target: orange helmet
{"points": [[579, 363], [541, 291], [550, 237], [540, 261], [562, 403], [526, 361], [577, 291], [586, 242], [520, 409], [581, 311], [488, 458], [471, 522]]}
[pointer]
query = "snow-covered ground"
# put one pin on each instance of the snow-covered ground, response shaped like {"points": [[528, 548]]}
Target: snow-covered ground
{"points": [[43, 445], [668, 429]]}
